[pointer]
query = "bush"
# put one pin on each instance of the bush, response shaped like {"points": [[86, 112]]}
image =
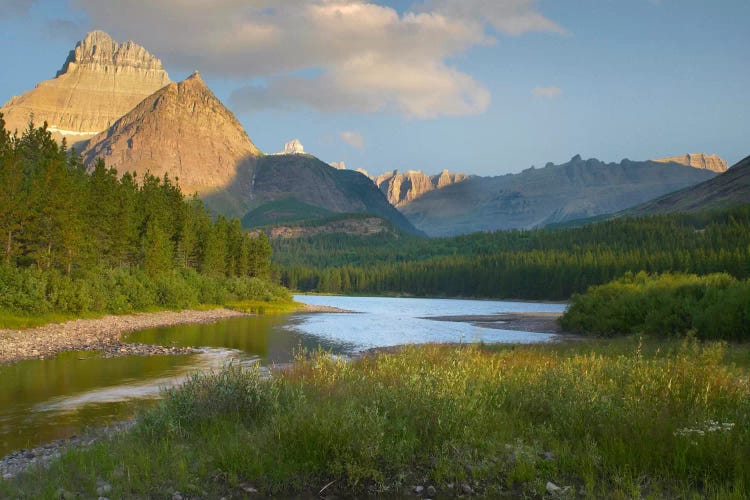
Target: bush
{"points": [[715, 306]]}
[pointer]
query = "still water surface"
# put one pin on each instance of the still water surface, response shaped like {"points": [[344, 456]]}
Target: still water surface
{"points": [[42, 400]]}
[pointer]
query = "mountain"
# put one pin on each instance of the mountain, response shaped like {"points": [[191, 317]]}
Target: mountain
{"points": [[730, 188], [183, 130], [294, 187], [698, 160], [537, 197], [402, 189], [100, 82]]}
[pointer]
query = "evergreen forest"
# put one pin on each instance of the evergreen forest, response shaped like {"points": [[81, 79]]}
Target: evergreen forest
{"points": [[551, 264], [75, 240]]}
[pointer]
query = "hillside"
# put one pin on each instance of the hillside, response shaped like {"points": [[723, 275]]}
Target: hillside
{"points": [[537, 197], [302, 180], [729, 188]]}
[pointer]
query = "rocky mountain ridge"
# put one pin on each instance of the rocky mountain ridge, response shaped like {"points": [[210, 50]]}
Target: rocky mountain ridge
{"points": [[100, 82], [403, 188], [698, 160], [556, 193]]}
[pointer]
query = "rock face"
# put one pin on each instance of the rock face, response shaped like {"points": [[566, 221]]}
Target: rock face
{"points": [[293, 147], [725, 190], [540, 196], [402, 189], [698, 160], [99, 83], [182, 130]]}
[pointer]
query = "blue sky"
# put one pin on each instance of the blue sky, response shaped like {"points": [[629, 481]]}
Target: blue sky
{"points": [[479, 86]]}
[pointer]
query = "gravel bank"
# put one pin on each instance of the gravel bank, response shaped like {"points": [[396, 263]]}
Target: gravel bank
{"points": [[101, 334]]}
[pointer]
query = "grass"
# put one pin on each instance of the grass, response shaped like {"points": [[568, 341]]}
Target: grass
{"points": [[615, 419], [20, 321]]}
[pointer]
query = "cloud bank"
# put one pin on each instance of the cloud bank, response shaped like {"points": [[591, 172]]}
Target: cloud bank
{"points": [[328, 55]]}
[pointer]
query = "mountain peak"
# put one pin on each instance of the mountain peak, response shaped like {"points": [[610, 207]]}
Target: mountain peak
{"points": [[99, 49], [181, 130], [100, 81]]}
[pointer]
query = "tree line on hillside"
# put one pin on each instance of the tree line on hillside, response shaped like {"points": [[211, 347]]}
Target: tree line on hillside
{"points": [[58, 219], [537, 264]]}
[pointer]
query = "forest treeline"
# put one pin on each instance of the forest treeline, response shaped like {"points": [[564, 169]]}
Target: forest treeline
{"points": [[65, 230], [548, 264]]}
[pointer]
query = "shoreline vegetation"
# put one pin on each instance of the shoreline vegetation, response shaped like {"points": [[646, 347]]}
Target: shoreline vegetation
{"points": [[615, 418]]}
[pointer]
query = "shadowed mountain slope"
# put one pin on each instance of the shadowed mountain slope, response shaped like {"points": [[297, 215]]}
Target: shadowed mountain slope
{"points": [[730, 188]]}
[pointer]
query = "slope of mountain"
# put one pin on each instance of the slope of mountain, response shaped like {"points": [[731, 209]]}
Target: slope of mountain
{"points": [[303, 180], [100, 81], [403, 188], [730, 188], [555, 193], [182, 130], [698, 160]]}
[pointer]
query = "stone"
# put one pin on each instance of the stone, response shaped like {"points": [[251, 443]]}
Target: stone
{"points": [[103, 489], [431, 491], [100, 82], [467, 489], [248, 488], [418, 490], [552, 488]]}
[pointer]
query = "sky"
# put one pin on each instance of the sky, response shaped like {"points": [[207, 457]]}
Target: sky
{"points": [[483, 87]]}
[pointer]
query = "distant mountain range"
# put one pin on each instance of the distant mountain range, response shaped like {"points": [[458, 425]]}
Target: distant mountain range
{"points": [[556, 193]]}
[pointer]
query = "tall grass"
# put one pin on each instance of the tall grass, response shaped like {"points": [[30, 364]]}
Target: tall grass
{"points": [[608, 421]]}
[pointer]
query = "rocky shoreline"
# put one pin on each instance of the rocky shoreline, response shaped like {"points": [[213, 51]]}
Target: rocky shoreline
{"points": [[100, 334], [20, 461]]}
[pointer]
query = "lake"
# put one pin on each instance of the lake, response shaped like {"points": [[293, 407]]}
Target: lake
{"points": [[43, 400]]}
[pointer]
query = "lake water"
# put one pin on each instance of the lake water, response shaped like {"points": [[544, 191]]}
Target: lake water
{"points": [[42, 400]]}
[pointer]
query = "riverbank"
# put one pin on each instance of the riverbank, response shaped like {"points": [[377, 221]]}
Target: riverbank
{"points": [[598, 418], [101, 334], [105, 334]]}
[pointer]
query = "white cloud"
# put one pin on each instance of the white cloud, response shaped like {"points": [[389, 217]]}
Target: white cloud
{"points": [[547, 92], [329, 55], [353, 139]]}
